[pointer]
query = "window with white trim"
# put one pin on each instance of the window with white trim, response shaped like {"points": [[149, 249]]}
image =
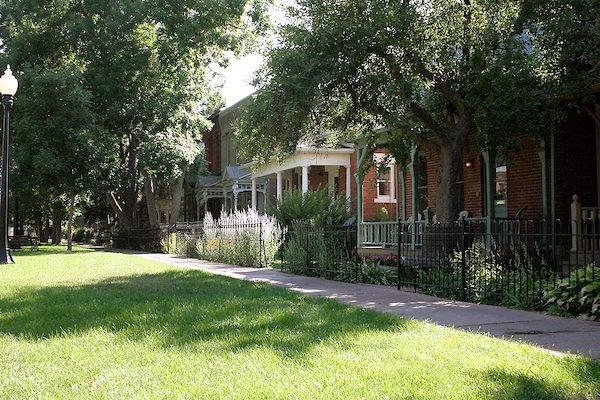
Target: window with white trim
{"points": [[385, 181]]}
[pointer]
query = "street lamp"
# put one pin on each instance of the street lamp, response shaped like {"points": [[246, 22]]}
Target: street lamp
{"points": [[8, 88]]}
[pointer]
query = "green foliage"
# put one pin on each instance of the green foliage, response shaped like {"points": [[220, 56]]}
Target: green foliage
{"points": [[56, 142], [315, 207], [382, 215], [78, 235], [134, 76], [320, 250], [515, 276], [243, 238], [328, 252], [83, 235], [433, 72], [375, 274], [577, 294]]}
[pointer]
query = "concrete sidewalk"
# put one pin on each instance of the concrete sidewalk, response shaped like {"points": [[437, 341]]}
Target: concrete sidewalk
{"points": [[552, 333]]}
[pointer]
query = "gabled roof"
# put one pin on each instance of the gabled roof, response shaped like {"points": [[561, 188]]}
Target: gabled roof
{"points": [[236, 173], [207, 180]]}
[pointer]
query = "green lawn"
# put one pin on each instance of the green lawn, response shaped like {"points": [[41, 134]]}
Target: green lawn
{"points": [[105, 325]]}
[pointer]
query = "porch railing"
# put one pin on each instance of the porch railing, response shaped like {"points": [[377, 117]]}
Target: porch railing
{"points": [[384, 234]]}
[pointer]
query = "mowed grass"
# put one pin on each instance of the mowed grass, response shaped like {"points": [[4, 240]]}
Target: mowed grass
{"points": [[105, 325]]}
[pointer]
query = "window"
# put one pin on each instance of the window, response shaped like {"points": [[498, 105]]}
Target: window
{"points": [[500, 188], [384, 178], [500, 203]]}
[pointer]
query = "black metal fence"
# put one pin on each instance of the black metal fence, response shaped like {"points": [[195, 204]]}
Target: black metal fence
{"points": [[143, 239], [509, 262], [328, 252]]}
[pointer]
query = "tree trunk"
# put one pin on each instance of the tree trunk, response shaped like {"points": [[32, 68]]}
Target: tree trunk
{"points": [[45, 232], [150, 200], [125, 206], [39, 227], [131, 193], [17, 219], [70, 224], [116, 206], [56, 230], [176, 203], [447, 204]]}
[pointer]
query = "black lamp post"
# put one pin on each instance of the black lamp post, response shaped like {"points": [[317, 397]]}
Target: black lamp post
{"points": [[8, 88]]}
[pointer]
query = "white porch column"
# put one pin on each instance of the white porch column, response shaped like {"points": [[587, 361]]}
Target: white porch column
{"points": [[254, 194], [348, 185], [304, 179], [279, 186], [332, 173]]}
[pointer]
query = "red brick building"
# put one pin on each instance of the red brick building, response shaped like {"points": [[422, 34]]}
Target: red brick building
{"points": [[538, 181]]}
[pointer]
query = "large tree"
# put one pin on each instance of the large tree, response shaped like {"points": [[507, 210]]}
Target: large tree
{"points": [[435, 72], [146, 68], [56, 145]]}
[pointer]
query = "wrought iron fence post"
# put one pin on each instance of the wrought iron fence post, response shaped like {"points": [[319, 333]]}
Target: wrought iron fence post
{"points": [[354, 249], [399, 260], [260, 245], [307, 262], [463, 277]]}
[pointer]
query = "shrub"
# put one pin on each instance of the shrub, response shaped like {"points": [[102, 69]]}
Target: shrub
{"points": [[383, 215], [144, 239], [243, 238], [317, 207], [318, 250], [512, 275], [578, 294], [88, 236], [79, 235], [374, 273]]}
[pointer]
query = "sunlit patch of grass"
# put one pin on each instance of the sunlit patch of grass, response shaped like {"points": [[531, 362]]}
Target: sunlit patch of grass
{"points": [[106, 325]]}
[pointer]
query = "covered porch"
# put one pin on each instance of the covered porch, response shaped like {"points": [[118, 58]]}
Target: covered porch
{"points": [[234, 190], [307, 169]]}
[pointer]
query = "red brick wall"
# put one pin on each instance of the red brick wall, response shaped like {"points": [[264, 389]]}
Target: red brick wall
{"points": [[575, 174], [370, 207], [408, 194], [524, 180], [317, 178], [472, 184], [575, 148]]}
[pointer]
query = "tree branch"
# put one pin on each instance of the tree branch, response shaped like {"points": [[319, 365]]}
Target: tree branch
{"points": [[443, 87], [428, 121]]}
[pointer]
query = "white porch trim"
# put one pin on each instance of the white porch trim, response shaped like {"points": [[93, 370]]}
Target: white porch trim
{"points": [[307, 157]]}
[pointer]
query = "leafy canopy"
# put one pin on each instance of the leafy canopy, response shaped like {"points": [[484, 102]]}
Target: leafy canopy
{"points": [[139, 81], [434, 72]]}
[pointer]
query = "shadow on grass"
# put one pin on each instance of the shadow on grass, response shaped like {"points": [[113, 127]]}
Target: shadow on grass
{"points": [[515, 386], [45, 250], [186, 307]]}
